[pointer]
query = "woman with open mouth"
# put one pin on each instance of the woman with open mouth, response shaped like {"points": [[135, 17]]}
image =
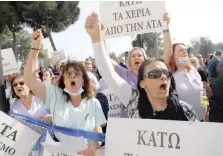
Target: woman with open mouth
{"points": [[72, 103], [135, 59], [28, 104], [154, 97]]}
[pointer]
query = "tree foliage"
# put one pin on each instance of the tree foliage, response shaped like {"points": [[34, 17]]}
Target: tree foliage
{"points": [[152, 42], [204, 46], [52, 16]]}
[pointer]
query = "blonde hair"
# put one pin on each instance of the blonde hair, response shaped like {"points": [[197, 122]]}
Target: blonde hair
{"points": [[129, 56]]}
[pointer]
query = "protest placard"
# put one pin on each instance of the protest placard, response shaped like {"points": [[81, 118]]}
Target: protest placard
{"points": [[142, 137], [69, 147], [58, 55], [16, 139], [9, 63], [125, 18]]}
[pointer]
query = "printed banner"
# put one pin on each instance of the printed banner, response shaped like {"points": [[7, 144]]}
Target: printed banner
{"points": [[9, 63], [143, 137], [125, 18], [16, 139]]}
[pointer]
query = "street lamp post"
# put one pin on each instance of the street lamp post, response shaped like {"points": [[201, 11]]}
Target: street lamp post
{"points": [[3, 101]]}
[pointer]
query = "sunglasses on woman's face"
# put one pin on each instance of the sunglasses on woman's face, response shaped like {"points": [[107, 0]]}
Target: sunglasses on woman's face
{"points": [[21, 83], [157, 73]]}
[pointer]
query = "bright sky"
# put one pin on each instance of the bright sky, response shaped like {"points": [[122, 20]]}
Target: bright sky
{"points": [[189, 19]]}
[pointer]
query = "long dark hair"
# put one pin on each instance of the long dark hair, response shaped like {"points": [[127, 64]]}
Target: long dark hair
{"points": [[144, 105], [87, 86]]}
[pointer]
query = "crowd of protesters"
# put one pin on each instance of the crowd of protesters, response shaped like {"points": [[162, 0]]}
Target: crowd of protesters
{"points": [[72, 94]]}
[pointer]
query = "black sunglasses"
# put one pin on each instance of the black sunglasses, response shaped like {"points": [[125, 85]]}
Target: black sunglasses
{"points": [[156, 73], [21, 83]]}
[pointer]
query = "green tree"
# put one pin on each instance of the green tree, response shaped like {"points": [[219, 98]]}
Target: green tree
{"points": [[151, 42], [10, 20], [22, 43], [52, 16], [203, 46]]}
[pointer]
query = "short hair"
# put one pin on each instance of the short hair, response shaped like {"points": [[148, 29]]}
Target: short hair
{"points": [[218, 53]]}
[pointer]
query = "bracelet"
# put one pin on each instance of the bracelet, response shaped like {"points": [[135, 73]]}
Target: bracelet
{"points": [[35, 49], [167, 30]]}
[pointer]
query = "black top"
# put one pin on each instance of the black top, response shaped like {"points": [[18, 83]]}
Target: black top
{"points": [[203, 75], [216, 101]]}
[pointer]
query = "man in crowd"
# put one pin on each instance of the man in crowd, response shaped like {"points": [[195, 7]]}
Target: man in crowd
{"points": [[212, 67], [216, 104], [56, 70]]}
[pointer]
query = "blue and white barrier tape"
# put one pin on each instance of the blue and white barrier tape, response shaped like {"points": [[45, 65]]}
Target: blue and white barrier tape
{"points": [[68, 131]]}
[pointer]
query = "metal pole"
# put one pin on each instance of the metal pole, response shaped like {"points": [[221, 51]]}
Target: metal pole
{"points": [[3, 101]]}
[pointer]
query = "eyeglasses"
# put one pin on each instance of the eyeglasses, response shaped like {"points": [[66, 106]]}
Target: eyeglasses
{"points": [[21, 83], [76, 74], [155, 74]]}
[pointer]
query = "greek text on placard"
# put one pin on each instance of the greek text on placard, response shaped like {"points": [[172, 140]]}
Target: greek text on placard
{"points": [[128, 3], [151, 139], [11, 135]]}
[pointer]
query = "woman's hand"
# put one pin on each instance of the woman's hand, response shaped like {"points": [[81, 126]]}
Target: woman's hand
{"points": [[37, 40], [93, 28], [47, 118], [90, 151]]}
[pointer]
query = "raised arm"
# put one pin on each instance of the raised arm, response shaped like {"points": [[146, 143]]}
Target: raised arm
{"points": [[121, 88], [167, 42], [30, 79]]}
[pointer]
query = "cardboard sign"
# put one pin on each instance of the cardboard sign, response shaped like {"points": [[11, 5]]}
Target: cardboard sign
{"points": [[58, 55], [141, 137], [125, 18], [15, 138], [9, 63]]}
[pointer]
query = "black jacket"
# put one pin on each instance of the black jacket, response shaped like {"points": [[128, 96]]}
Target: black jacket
{"points": [[216, 101]]}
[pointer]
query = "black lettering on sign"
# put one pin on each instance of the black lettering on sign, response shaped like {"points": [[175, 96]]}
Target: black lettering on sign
{"points": [[134, 27], [177, 143], [6, 64], [137, 13], [114, 30], [12, 134], [144, 137], [128, 3], [112, 97], [152, 139], [153, 24], [118, 16], [7, 149], [161, 139]]}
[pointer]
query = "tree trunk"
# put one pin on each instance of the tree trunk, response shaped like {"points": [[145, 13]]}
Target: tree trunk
{"points": [[50, 37], [14, 44]]}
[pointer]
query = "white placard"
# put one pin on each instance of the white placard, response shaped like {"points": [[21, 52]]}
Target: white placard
{"points": [[69, 147], [125, 18], [58, 55], [141, 137], [16, 139], [10, 65]]}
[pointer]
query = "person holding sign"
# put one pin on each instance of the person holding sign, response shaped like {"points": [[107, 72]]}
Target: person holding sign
{"points": [[155, 96], [135, 59], [72, 103]]}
